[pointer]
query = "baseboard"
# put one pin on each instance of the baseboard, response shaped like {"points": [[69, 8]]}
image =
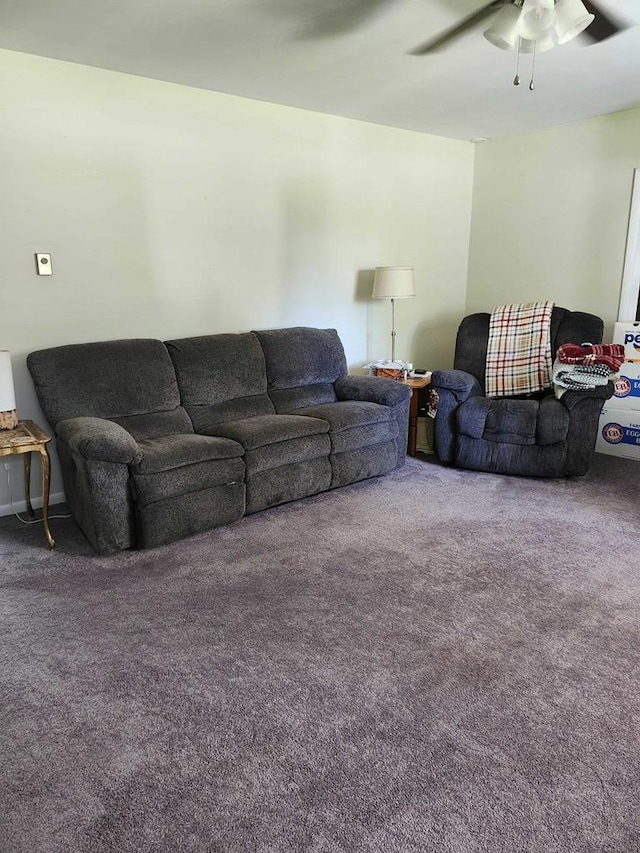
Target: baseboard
{"points": [[36, 503]]}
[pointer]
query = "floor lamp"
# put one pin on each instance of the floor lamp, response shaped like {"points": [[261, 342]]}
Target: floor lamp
{"points": [[393, 283]]}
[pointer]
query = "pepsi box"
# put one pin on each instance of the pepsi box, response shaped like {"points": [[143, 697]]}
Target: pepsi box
{"points": [[628, 334], [619, 432]]}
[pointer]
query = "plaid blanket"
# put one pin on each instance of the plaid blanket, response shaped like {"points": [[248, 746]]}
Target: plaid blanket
{"points": [[519, 357]]}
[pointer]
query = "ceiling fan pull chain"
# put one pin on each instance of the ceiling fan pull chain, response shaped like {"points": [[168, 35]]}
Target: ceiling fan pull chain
{"points": [[533, 68], [516, 79]]}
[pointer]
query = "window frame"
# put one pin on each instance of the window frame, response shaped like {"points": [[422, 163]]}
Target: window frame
{"points": [[629, 308]]}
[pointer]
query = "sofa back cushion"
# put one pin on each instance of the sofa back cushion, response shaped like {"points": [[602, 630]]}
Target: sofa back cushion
{"points": [[302, 364], [566, 327], [221, 378], [131, 382]]}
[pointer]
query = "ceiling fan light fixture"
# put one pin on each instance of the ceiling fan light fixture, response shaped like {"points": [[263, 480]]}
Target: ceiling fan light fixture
{"points": [[536, 18], [503, 32], [572, 18], [542, 44]]}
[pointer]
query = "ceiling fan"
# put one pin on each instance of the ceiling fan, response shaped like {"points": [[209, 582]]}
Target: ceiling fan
{"points": [[528, 24]]}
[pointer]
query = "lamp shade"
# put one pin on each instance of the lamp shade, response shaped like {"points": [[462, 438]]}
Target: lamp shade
{"points": [[503, 32], [536, 18], [572, 18], [7, 394], [393, 283]]}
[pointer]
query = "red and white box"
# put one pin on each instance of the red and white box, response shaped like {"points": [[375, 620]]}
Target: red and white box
{"points": [[626, 387], [619, 432]]}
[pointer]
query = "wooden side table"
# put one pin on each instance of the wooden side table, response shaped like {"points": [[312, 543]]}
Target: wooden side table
{"points": [[416, 385], [28, 438]]}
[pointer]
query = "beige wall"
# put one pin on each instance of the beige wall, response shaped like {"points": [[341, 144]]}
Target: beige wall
{"points": [[172, 211], [550, 216]]}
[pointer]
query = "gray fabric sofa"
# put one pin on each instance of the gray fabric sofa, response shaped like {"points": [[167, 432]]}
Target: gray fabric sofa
{"points": [[158, 441]]}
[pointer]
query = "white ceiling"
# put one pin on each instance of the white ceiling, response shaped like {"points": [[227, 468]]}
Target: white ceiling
{"points": [[344, 57]]}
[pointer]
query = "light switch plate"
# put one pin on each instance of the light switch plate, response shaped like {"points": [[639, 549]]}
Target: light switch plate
{"points": [[43, 263]]}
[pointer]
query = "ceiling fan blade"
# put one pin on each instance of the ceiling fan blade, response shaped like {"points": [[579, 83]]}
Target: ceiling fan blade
{"points": [[604, 25], [333, 19], [461, 28]]}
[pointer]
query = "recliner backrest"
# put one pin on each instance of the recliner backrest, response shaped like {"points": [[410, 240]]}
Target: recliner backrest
{"points": [[574, 327], [302, 364], [131, 382], [221, 378]]}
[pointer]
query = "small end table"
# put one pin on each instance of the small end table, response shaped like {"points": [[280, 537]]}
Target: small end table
{"points": [[416, 385], [28, 438]]}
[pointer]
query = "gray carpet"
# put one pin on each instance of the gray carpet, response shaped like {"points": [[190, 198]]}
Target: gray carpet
{"points": [[436, 660]]}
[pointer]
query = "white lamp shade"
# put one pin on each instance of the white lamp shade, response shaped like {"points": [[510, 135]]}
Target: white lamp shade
{"points": [[541, 44], [7, 394], [572, 18], [503, 32], [536, 18], [393, 283]]}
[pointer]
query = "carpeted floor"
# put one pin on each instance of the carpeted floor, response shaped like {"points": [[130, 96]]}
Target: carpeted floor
{"points": [[437, 661]]}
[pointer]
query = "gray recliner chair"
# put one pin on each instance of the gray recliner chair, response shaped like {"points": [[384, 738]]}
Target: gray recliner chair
{"points": [[536, 436]]}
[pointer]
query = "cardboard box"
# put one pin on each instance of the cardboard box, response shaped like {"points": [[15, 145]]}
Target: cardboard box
{"points": [[619, 433], [626, 393], [628, 334], [390, 369], [390, 373]]}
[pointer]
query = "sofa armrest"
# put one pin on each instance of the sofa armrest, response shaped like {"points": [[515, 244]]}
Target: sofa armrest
{"points": [[453, 387], [372, 389], [99, 439], [570, 399], [461, 384], [385, 392]]}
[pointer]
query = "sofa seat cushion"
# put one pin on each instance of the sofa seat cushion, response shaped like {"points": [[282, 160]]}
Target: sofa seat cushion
{"points": [[289, 452], [156, 424], [262, 430], [354, 423], [175, 451], [508, 421], [271, 441], [180, 464]]}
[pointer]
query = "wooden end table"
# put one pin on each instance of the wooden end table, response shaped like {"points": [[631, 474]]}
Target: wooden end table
{"points": [[416, 385], [28, 438]]}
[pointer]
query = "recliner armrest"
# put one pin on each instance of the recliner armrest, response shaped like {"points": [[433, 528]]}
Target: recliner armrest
{"points": [[461, 384], [372, 389], [100, 439], [571, 398]]}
